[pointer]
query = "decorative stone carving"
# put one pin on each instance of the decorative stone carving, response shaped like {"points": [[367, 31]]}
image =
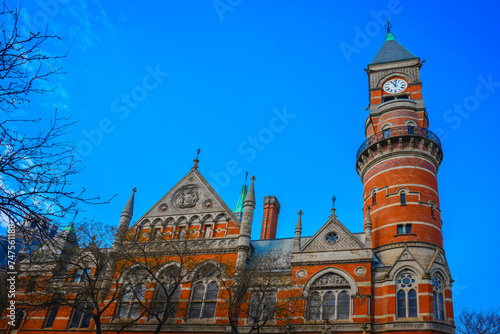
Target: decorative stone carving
{"points": [[163, 207], [186, 197], [330, 280], [360, 271], [302, 273]]}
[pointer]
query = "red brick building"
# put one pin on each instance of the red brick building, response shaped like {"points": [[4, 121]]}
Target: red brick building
{"points": [[391, 277]]}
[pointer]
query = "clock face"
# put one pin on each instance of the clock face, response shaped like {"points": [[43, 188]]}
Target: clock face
{"points": [[395, 86]]}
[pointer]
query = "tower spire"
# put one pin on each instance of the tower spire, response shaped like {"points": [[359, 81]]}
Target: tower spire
{"points": [[241, 200], [298, 233], [246, 227]]}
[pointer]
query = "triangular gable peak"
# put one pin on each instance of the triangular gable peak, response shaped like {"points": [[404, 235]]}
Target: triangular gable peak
{"points": [[333, 235], [192, 202], [406, 258]]}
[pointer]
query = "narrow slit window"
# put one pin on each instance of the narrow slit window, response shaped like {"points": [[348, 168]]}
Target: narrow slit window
{"points": [[402, 197], [374, 198]]}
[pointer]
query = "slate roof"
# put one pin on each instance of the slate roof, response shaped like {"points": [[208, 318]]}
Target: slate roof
{"points": [[391, 51], [284, 246]]}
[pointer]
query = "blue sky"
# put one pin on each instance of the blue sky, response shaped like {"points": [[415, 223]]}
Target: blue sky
{"points": [[150, 83]]}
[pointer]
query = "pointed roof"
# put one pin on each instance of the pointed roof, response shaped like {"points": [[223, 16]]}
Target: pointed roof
{"points": [[250, 198], [166, 206], [129, 207], [298, 227], [241, 200], [392, 51]]}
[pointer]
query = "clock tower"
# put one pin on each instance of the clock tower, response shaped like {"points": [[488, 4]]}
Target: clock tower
{"points": [[398, 165]]}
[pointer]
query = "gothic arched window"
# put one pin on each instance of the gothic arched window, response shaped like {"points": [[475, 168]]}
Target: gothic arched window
{"points": [[82, 314], [406, 296], [329, 298], [315, 306], [130, 303], [204, 300], [438, 294], [132, 294], [262, 306], [167, 293]]}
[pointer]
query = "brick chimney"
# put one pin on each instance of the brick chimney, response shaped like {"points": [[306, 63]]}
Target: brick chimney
{"points": [[270, 218]]}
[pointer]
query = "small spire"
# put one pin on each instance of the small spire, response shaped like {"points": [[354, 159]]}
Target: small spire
{"points": [[250, 198], [298, 228], [241, 200], [368, 223], [195, 165], [129, 208], [298, 233]]}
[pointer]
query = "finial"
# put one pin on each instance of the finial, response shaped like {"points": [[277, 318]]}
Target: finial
{"points": [[389, 36], [246, 178], [253, 178], [195, 165], [388, 25], [300, 214], [134, 190], [333, 216]]}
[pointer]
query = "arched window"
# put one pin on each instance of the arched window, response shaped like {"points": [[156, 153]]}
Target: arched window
{"points": [[51, 316], [438, 294], [329, 298], [19, 319], [374, 197], [314, 306], [131, 301], [402, 198], [82, 314], [406, 296], [344, 305], [204, 300], [329, 306], [262, 306], [167, 293], [166, 301], [132, 294]]}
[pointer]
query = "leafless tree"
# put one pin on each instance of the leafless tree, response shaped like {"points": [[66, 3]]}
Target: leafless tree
{"points": [[254, 293], [478, 322], [74, 273], [37, 162], [25, 67], [168, 264]]}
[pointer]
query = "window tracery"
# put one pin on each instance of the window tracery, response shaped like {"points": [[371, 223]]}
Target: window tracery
{"points": [[329, 298]]}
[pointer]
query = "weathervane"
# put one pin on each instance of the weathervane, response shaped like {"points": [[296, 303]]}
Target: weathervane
{"points": [[198, 153], [333, 201], [388, 25], [246, 178]]}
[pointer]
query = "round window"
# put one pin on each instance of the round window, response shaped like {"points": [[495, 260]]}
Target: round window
{"points": [[332, 238]]}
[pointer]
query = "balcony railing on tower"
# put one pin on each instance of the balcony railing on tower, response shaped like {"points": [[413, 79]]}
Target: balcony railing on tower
{"points": [[398, 131]]}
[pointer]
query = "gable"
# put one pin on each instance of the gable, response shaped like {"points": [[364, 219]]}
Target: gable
{"points": [[325, 240], [192, 199]]}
